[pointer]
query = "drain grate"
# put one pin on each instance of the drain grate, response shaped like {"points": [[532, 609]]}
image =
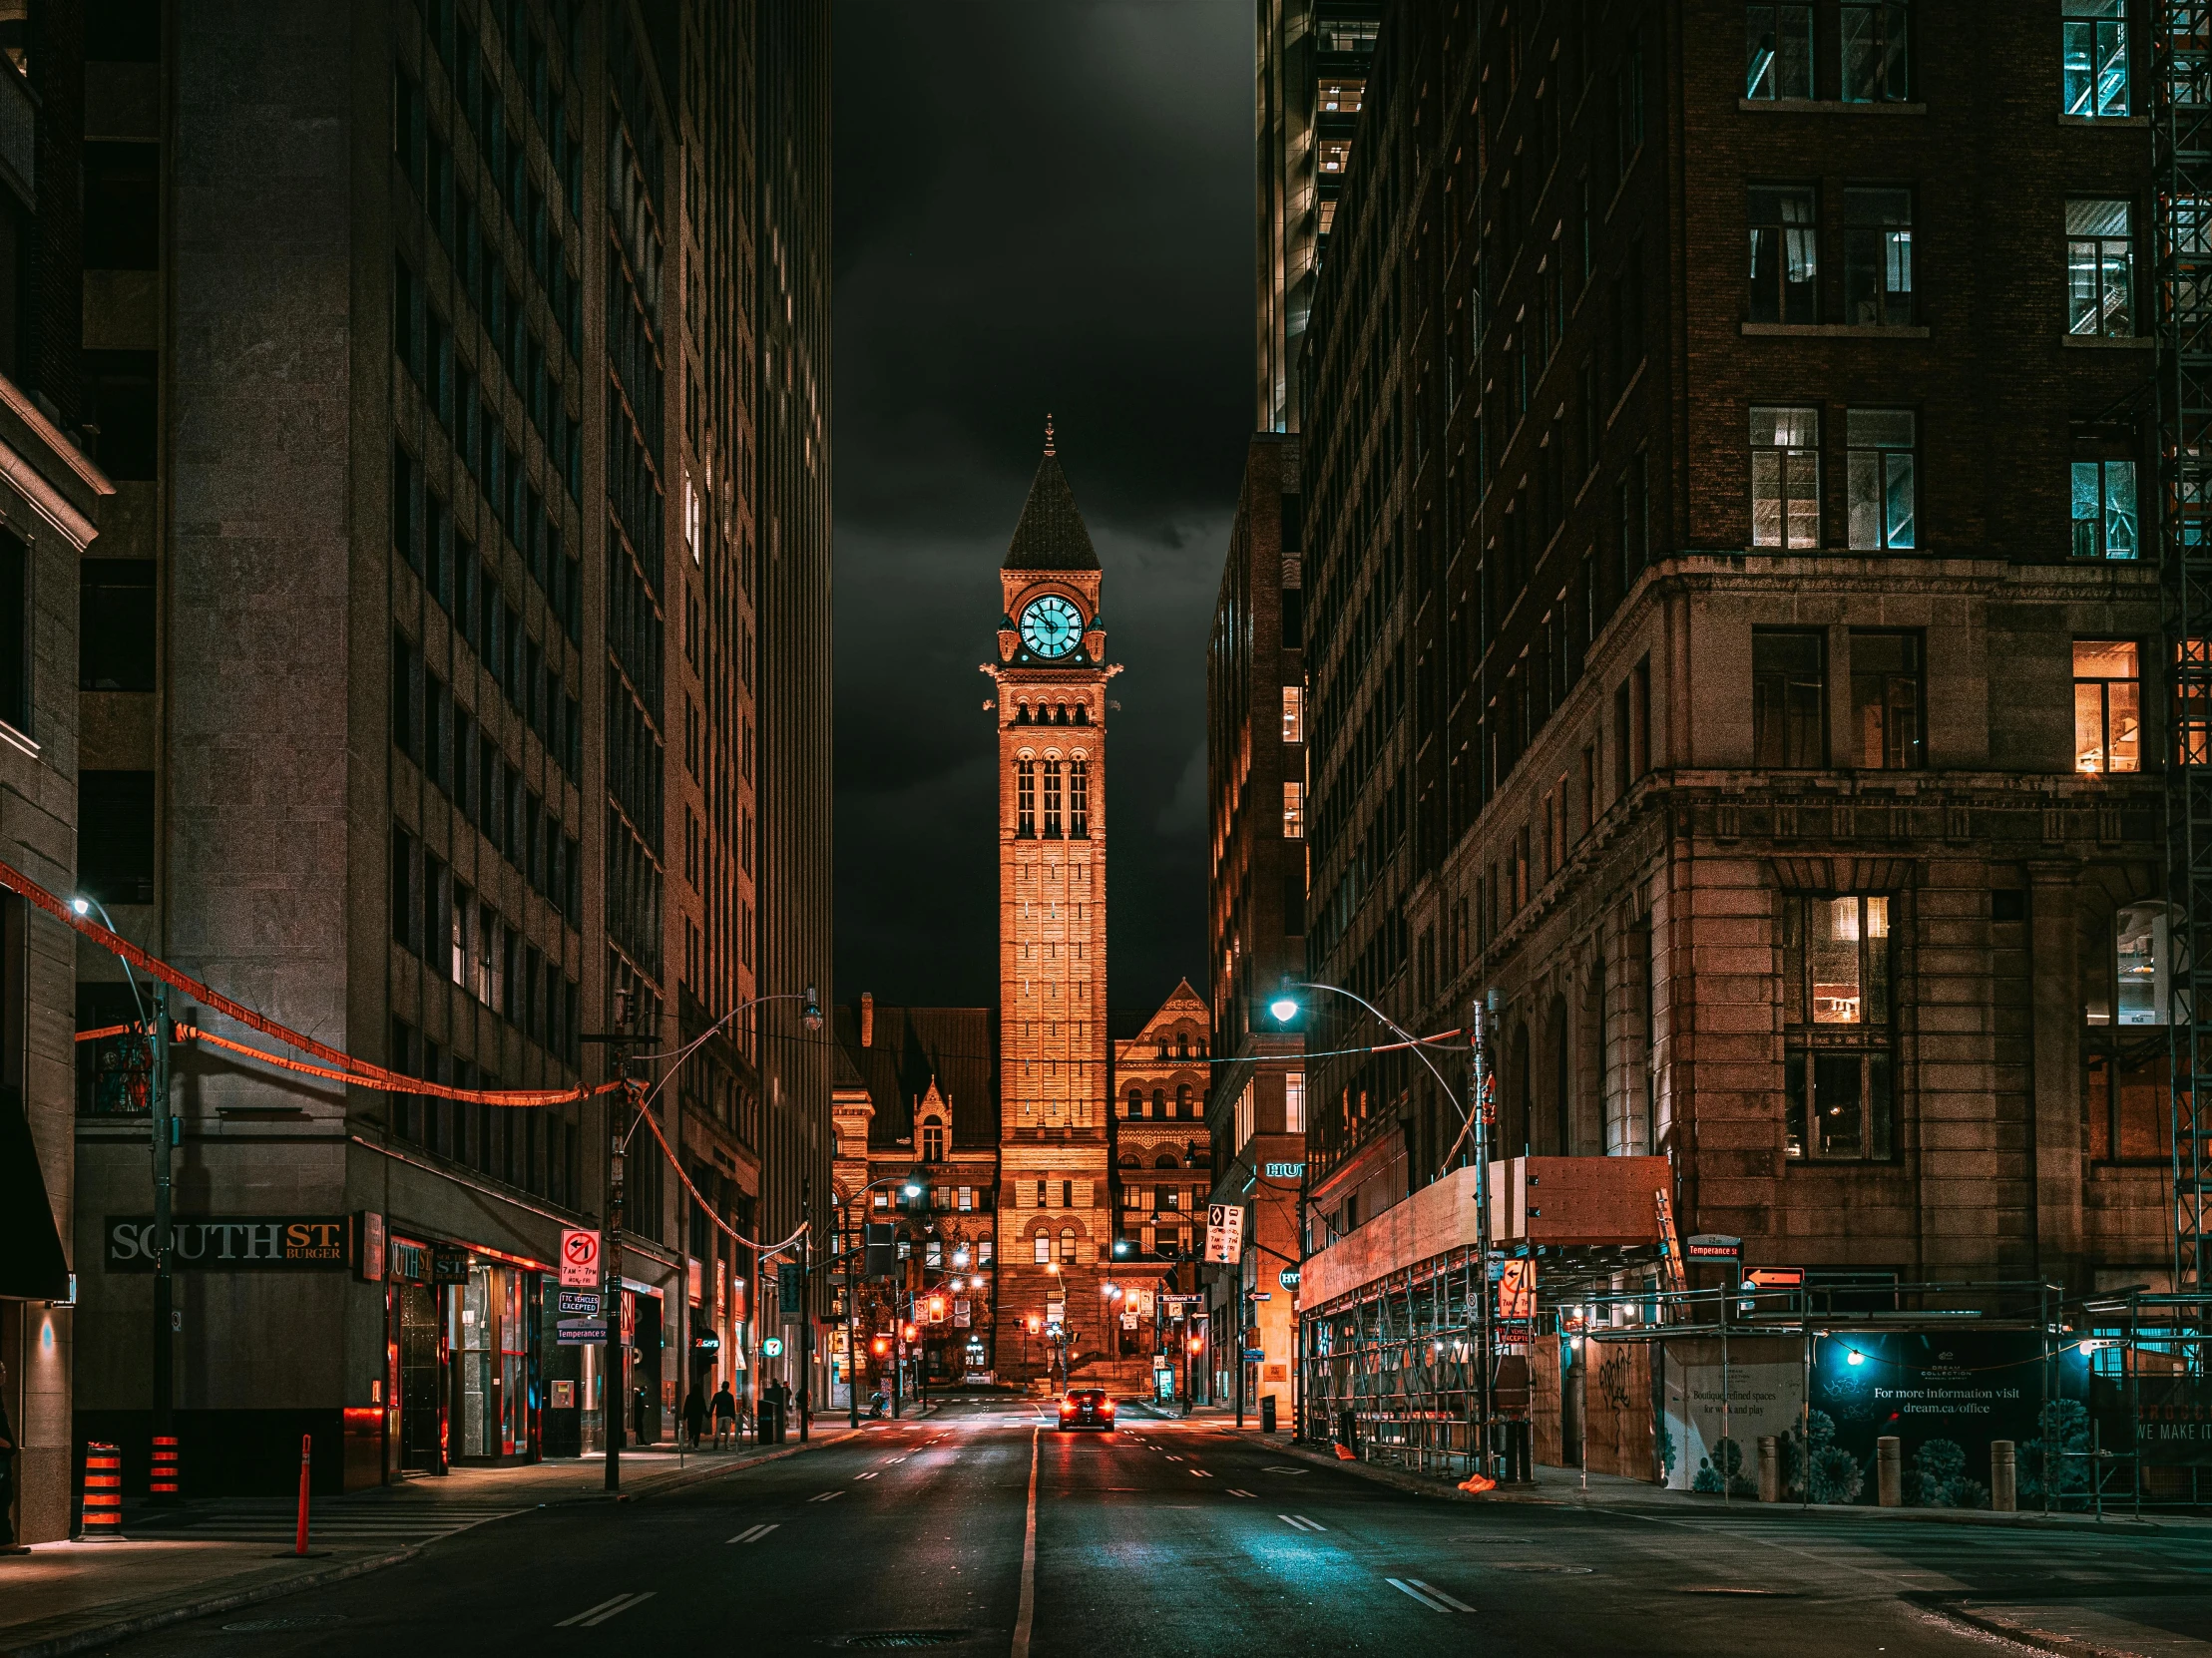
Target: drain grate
{"points": [[261, 1625], [899, 1637]]}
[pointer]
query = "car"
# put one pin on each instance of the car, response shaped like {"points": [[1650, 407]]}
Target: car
{"points": [[1087, 1407]]}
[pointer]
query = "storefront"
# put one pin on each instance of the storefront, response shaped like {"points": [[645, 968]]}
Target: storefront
{"points": [[464, 1330]]}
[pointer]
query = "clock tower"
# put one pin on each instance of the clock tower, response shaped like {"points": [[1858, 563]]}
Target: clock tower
{"points": [[1055, 1220]]}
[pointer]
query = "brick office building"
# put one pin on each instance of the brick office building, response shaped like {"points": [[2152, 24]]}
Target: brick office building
{"points": [[1730, 627]]}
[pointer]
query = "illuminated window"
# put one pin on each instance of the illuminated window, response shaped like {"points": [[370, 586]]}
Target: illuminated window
{"points": [[2104, 517], [1785, 476], [2142, 952], [1294, 1102], [1778, 52], [1294, 714], [1043, 1248], [2108, 706], [2101, 267], [1294, 811], [1879, 479], [1837, 1006], [2093, 50], [1877, 52], [1067, 1246]]}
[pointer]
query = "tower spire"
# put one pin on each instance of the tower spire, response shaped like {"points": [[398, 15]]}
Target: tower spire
{"points": [[1048, 449]]}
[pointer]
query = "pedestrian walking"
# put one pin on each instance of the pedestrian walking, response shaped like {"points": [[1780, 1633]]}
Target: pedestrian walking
{"points": [[8, 1544], [694, 1415], [638, 1417], [725, 1416]]}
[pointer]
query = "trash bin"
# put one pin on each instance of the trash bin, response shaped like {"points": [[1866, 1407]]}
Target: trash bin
{"points": [[1348, 1429], [1267, 1415], [770, 1422]]}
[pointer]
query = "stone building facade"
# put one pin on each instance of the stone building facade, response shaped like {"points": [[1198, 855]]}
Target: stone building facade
{"points": [[1747, 669]]}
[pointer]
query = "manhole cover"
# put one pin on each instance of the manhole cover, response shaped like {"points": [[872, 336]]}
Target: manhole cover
{"points": [[259, 1625], [1729, 1589], [899, 1637], [1540, 1565]]}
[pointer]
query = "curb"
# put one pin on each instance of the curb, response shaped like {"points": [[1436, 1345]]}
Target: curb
{"points": [[2021, 1634], [1645, 1508], [122, 1628], [79, 1639]]}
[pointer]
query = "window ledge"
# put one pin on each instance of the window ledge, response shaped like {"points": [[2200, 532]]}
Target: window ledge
{"points": [[1825, 106], [1830, 330], [2137, 123], [2108, 342]]}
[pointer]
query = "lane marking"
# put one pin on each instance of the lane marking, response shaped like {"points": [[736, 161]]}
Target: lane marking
{"points": [[1406, 1588], [826, 1496], [1299, 1522], [592, 1617], [754, 1535], [1199, 1473], [888, 1461], [1233, 1492], [870, 1475], [1432, 1590], [1025, 1615], [1173, 1458]]}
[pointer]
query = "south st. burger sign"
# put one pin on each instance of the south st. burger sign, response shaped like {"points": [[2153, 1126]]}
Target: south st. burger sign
{"points": [[229, 1243]]}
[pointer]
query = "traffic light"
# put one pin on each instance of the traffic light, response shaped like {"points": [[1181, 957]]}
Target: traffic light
{"points": [[880, 1346], [937, 1308], [1036, 1324], [909, 1332]]}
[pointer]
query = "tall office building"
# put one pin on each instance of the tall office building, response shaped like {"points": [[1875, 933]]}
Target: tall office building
{"points": [[447, 501], [1256, 731], [1732, 628], [1312, 75]]}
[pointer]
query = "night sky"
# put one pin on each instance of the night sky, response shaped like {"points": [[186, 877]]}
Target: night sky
{"points": [[1041, 205]]}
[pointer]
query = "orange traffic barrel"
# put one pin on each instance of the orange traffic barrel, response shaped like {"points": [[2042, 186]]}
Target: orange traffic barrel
{"points": [[164, 1481], [103, 1492]]}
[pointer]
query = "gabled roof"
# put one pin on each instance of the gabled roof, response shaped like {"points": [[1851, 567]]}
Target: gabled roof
{"points": [[956, 1049], [1051, 535]]}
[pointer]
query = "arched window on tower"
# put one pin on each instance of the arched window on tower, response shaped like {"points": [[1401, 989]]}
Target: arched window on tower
{"points": [[1137, 1103], [1067, 1246], [1025, 797], [1079, 798], [1051, 797]]}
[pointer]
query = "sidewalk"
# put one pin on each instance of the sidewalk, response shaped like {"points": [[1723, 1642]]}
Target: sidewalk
{"points": [[1563, 1487], [223, 1554]]}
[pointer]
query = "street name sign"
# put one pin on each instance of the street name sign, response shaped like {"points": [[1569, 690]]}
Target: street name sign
{"points": [[580, 1331]]}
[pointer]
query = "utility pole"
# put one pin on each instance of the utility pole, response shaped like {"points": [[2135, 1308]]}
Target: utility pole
{"points": [[614, 1385], [164, 1127], [850, 1244], [807, 1302], [1478, 1069]]}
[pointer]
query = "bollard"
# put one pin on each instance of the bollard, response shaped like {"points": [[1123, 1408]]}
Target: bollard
{"points": [[2005, 1491], [164, 1482], [103, 1492], [1887, 1477], [1770, 1469], [307, 1451]]}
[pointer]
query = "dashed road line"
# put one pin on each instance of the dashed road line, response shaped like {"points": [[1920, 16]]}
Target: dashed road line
{"points": [[1299, 1522], [1430, 1597], [826, 1496], [1200, 1473], [592, 1617], [1233, 1492], [870, 1475], [754, 1535]]}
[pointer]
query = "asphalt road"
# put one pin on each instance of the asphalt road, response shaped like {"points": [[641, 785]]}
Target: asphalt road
{"points": [[982, 1530]]}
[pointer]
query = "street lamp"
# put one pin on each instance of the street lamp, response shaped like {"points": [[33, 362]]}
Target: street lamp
{"points": [[162, 1127]]}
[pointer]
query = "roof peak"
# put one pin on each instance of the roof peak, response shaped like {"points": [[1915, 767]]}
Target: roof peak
{"points": [[1050, 533]]}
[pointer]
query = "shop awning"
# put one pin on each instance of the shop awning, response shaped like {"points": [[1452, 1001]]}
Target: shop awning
{"points": [[33, 1266]]}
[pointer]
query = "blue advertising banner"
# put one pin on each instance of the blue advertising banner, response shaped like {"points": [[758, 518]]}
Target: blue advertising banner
{"points": [[1945, 1395]]}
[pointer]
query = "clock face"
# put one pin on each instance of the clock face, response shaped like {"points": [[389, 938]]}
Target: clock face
{"points": [[1051, 626]]}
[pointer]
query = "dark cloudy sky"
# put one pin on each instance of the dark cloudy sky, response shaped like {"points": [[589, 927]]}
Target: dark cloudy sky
{"points": [[1041, 205]]}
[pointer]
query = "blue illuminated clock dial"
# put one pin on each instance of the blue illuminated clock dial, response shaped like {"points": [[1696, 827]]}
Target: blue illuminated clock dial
{"points": [[1051, 626]]}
